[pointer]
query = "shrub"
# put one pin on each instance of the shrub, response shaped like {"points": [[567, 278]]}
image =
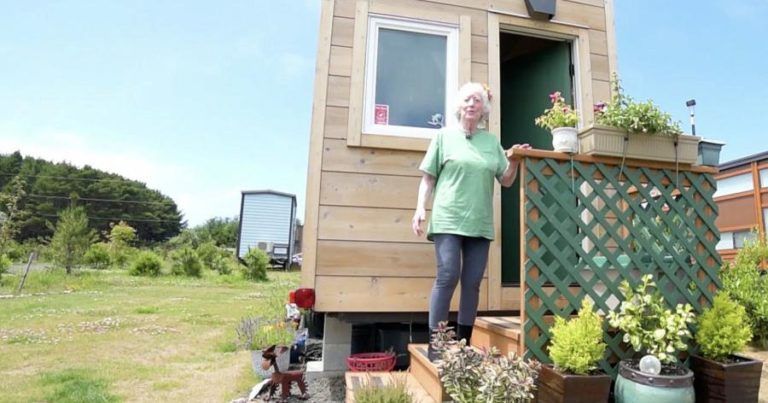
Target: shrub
{"points": [[470, 375], [577, 345], [254, 333], [97, 256], [186, 263], [648, 324], [256, 264], [623, 112], [5, 264], [745, 282], [207, 252], [222, 264], [396, 392], [120, 238], [723, 329], [146, 264]]}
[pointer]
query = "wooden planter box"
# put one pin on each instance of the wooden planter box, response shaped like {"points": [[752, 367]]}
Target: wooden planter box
{"points": [[718, 382], [609, 141], [554, 386]]}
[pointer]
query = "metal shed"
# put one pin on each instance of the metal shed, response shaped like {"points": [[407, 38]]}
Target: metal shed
{"points": [[267, 222]]}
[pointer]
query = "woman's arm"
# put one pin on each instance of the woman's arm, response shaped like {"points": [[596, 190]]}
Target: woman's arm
{"points": [[509, 176], [426, 186]]}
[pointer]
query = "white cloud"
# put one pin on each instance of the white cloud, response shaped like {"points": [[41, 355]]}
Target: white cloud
{"points": [[197, 201]]}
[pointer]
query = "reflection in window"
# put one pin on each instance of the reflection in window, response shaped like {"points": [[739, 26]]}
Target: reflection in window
{"points": [[734, 184], [726, 241], [410, 70], [739, 238], [764, 178]]}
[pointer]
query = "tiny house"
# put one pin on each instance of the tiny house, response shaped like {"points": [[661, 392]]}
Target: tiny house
{"points": [[267, 222], [385, 74], [742, 197]]}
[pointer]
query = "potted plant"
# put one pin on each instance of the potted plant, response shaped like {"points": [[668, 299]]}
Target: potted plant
{"points": [[255, 334], [561, 120], [653, 329], [641, 130], [576, 346], [470, 375], [719, 374]]}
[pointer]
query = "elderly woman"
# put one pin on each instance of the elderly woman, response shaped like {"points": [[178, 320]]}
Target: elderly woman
{"points": [[459, 168]]}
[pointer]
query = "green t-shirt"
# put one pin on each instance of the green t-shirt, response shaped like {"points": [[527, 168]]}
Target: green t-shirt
{"points": [[463, 195]]}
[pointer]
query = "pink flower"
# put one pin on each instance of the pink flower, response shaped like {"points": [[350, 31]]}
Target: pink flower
{"points": [[555, 96], [599, 107]]}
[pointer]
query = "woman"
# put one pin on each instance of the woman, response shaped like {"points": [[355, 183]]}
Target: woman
{"points": [[460, 166]]}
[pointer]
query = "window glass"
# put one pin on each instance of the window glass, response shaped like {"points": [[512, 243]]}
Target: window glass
{"points": [[726, 241], [764, 178], [739, 238], [765, 221], [734, 184], [410, 78]]}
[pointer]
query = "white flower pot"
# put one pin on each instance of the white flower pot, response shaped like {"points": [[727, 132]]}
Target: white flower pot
{"points": [[565, 140]]}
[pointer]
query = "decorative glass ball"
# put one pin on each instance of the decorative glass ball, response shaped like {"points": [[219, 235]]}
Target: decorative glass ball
{"points": [[650, 365]]}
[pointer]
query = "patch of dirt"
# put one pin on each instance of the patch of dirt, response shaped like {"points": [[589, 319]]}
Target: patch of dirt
{"points": [[321, 390]]}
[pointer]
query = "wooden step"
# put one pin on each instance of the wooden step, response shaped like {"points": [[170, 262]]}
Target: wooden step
{"points": [[503, 332], [425, 372], [356, 380]]}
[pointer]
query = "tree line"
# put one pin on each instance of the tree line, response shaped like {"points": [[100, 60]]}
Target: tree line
{"points": [[34, 191]]}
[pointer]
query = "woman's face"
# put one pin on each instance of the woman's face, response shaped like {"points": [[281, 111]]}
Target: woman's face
{"points": [[472, 108]]}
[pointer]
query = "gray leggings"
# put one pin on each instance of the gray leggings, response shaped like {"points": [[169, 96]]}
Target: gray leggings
{"points": [[457, 257]]}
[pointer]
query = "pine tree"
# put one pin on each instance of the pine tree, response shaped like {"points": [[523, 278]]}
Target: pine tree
{"points": [[71, 238]]}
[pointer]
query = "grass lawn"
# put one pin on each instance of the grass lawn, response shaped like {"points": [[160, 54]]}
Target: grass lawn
{"points": [[106, 336]]}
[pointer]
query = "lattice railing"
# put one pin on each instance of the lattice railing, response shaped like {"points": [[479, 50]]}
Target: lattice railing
{"points": [[588, 224]]}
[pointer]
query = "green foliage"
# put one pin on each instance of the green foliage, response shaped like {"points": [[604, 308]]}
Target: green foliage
{"points": [[207, 252], [396, 392], [77, 386], [71, 238], [635, 117], [577, 345], [723, 328], [222, 231], [186, 263], [559, 115], [472, 376], [146, 310], [223, 264], [160, 216], [648, 324], [11, 214], [215, 258], [746, 283], [256, 333], [120, 236], [256, 264], [5, 264], [146, 264], [97, 256]]}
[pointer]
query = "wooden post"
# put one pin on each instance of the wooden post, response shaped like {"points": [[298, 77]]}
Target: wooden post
{"points": [[32, 257]]}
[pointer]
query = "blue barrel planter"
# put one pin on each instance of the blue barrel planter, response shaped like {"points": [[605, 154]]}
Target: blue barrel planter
{"points": [[633, 386]]}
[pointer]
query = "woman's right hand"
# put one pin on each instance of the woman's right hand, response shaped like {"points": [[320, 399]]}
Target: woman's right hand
{"points": [[418, 217]]}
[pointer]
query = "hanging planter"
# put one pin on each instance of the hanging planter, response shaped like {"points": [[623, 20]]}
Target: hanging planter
{"points": [[610, 141]]}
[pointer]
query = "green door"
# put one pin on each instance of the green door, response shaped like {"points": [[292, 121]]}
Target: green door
{"points": [[527, 78]]}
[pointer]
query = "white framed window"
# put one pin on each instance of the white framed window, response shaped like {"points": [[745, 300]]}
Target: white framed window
{"points": [[741, 237], [764, 178], [765, 221], [411, 69], [734, 184], [726, 241]]}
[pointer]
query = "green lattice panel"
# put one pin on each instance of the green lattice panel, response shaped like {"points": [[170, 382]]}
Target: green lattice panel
{"points": [[589, 226]]}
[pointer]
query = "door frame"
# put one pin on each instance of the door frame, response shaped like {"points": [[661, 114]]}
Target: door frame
{"points": [[510, 298]]}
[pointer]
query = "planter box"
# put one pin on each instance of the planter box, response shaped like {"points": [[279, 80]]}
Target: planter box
{"points": [[709, 152], [718, 382], [554, 386], [609, 141]]}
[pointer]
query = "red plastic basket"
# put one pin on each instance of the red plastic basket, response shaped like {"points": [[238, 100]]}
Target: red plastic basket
{"points": [[371, 362]]}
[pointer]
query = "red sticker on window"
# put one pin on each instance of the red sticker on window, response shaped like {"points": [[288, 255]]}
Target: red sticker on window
{"points": [[381, 115]]}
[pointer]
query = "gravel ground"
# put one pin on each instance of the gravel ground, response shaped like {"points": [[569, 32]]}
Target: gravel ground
{"points": [[321, 390]]}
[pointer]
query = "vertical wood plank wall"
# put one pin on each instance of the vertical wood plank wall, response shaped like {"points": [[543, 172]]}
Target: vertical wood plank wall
{"points": [[360, 254]]}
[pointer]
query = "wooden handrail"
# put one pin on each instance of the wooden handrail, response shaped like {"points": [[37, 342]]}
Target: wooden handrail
{"points": [[520, 154]]}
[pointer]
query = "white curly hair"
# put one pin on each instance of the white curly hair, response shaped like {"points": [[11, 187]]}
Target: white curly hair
{"points": [[464, 92]]}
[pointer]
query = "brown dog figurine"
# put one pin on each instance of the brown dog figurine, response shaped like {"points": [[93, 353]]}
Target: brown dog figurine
{"points": [[284, 379]]}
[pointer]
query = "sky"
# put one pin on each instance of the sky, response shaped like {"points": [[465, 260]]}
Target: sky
{"points": [[203, 99]]}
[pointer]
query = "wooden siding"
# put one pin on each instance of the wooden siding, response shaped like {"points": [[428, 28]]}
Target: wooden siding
{"points": [[361, 188], [737, 213]]}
